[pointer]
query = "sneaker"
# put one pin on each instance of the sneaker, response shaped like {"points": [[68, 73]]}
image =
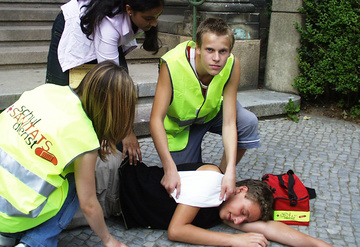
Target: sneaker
{"points": [[6, 241], [21, 245]]}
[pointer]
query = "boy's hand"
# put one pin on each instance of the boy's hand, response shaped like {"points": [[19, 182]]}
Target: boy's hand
{"points": [[170, 181], [227, 186], [249, 239]]}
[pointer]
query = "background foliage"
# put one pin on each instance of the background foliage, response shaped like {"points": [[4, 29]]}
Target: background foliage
{"points": [[329, 55]]}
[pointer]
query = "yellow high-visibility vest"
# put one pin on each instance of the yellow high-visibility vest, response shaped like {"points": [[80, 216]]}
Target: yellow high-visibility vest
{"points": [[41, 135], [188, 105]]}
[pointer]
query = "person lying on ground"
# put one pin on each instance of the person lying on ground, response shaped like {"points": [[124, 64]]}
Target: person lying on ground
{"points": [[146, 203]]}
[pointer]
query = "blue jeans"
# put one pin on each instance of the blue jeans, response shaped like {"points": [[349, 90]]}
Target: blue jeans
{"points": [[46, 234], [54, 73], [247, 131]]}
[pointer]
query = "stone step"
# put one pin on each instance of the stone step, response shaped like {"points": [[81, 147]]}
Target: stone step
{"points": [[36, 56], [263, 103], [172, 23], [14, 82], [25, 44], [28, 30], [15, 34], [15, 14], [20, 2]]}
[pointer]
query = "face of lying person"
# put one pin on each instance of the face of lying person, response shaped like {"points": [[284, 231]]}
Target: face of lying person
{"points": [[238, 209]]}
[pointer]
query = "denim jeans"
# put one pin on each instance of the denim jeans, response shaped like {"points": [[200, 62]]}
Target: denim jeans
{"points": [[54, 73], [46, 234]]}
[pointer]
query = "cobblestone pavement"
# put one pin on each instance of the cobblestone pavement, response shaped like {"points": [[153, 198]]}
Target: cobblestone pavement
{"points": [[323, 152]]}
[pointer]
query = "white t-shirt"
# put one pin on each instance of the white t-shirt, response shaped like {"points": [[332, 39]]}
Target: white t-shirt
{"points": [[200, 188], [76, 49]]}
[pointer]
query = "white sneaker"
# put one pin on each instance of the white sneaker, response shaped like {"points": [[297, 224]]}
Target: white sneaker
{"points": [[20, 245], [7, 241]]}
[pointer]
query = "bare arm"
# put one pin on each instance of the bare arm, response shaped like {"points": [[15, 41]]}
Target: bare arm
{"points": [[229, 131], [90, 206], [281, 233], [182, 230], [163, 94]]}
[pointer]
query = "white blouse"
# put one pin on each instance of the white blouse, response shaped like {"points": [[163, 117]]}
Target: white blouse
{"points": [[76, 49]]}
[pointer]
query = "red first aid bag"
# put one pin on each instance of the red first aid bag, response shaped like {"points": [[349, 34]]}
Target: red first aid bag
{"points": [[291, 198]]}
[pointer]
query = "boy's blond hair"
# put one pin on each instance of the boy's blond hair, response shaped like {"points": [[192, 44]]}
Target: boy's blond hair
{"points": [[217, 26]]}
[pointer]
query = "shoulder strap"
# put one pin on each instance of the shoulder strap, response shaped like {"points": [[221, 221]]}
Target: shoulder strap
{"points": [[291, 182]]}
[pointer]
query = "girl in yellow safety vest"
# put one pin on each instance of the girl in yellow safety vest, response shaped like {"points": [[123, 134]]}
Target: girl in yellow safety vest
{"points": [[47, 160]]}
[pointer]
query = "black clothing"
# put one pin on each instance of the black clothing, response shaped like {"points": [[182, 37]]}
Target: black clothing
{"points": [[146, 203]]}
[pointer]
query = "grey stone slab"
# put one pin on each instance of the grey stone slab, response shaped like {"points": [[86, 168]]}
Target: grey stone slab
{"points": [[334, 214], [282, 66], [286, 5], [22, 33]]}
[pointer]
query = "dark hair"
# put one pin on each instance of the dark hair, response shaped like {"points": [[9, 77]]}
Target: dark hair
{"points": [[108, 97], [217, 26], [151, 41], [260, 193], [97, 10]]}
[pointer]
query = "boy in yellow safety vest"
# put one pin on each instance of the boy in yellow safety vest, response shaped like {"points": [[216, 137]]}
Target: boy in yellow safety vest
{"points": [[197, 92]]}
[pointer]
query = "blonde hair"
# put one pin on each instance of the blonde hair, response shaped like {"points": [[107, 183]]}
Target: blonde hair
{"points": [[108, 97], [217, 26]]}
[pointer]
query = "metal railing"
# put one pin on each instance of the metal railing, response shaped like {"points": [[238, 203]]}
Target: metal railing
{"points": [[195, 3]]}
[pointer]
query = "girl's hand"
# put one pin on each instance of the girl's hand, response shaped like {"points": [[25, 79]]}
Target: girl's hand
{"points": [[131, 145], [113, 242]]}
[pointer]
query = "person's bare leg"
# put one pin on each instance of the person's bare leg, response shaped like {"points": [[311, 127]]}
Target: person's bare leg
{"points": [[239, 155]]}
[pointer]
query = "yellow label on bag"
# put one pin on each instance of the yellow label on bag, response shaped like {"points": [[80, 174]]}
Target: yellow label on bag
{"points": [[78, 73], [300, 216]]}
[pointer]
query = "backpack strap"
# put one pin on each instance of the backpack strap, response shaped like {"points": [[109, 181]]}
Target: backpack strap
{"points": [[291, 182], [265, 178]]}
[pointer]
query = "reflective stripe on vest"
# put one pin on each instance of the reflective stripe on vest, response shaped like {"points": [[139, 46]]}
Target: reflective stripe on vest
{"points": [[188, 105], [45, 130], [300, 216], [185, 123], [29, 179]]}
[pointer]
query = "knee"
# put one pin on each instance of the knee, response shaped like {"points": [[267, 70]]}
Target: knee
{"points": [[248, 133], [253, 120], [248, 120]]}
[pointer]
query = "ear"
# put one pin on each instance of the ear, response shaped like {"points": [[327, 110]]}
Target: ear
{"points": [[240, 189], [197, 50]]}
